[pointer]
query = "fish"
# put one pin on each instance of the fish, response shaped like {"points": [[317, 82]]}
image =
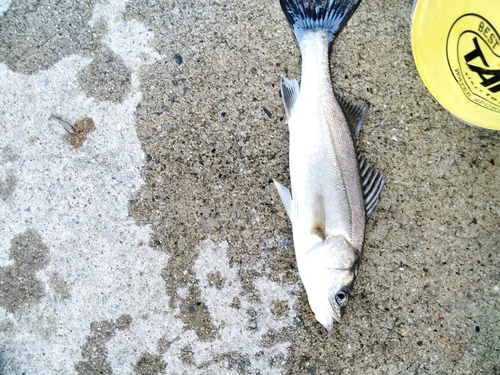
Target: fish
{"points": [[334, 189]]}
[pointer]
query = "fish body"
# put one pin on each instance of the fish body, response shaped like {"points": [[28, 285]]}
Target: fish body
{"points": [[334, 188]]}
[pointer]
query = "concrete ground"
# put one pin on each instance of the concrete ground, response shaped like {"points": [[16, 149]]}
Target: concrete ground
{"points": [[139, 229]]}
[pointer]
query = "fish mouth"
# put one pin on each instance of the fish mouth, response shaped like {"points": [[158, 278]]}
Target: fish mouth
{"points": [[337, 317], [336, 312], [329, 315]]}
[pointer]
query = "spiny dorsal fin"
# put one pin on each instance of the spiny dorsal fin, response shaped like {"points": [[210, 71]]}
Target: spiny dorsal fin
{"points": [[354, 113], [289, 93], [372, 179]]}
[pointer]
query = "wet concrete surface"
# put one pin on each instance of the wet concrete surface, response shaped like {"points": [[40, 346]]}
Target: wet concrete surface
{"points": [[155, 243]]}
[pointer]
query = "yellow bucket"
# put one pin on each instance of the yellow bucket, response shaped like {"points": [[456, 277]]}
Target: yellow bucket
{"points": [[456, 46]]}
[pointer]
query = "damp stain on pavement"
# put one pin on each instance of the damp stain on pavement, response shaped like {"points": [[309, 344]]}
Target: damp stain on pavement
{"points": [[106, 78], [7, 184], [34, 35], [94, 352], [20, 286]]}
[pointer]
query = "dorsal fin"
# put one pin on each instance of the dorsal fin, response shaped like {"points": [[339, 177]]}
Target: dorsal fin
{"points": [[354, 114], [372, 179]]}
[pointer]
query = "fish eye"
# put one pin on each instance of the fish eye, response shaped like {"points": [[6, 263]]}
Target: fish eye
{"points": [[341, 297]]}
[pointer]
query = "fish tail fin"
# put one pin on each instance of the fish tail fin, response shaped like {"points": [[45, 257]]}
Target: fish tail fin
{"points": [[331, 15]]}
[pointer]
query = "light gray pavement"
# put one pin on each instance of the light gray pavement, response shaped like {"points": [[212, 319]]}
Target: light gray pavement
{"points": [[156, 243]]}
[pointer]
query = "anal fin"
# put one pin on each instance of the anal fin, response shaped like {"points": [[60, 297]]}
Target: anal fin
{"points": [[289, 93]]}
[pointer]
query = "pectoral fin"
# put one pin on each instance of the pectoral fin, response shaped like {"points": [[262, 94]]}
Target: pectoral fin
{"points": [[286, 198], [318, 225]]}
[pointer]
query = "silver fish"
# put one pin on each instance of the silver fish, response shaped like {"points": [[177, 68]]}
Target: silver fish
{"points": [[335, 189]]}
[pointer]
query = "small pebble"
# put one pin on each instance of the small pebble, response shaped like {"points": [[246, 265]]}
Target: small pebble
{"points": [[178, 59]]}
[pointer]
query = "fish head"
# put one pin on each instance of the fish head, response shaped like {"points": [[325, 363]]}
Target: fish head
{"points": [[328, 271], [331, 296]]}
